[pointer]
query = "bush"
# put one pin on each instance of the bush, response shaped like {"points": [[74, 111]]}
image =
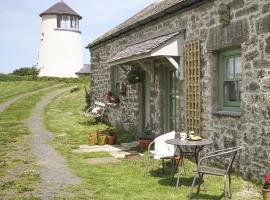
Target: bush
{"points": [[26, 71], [87, 99], [12, 77], [124, 135]]}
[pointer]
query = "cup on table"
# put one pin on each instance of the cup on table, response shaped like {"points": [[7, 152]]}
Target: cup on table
{"points": [[183, 135]]}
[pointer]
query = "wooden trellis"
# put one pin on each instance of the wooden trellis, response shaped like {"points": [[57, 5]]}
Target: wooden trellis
{"points": [[192, 86]]}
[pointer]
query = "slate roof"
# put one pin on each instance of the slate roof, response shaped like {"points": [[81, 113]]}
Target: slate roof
{"points": [[85, 70], [60, 8], [143, 47], [154, 11]]}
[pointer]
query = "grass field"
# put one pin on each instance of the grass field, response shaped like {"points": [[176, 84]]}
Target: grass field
{"points": [[124, 180], [19, 173], [11, 89]]}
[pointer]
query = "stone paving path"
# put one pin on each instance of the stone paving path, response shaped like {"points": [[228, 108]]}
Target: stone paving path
{"points": [[123, 150], [54, 173], [9, 102]]}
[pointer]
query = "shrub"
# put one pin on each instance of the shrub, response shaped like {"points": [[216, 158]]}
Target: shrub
{"points": [[12, 77], [87, 99], [26, 71], [125, 135]]}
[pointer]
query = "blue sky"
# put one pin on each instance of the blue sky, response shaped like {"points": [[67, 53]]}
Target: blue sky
{"points": [[20, 25]]}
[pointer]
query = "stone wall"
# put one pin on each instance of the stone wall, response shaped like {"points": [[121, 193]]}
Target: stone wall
{"points": [[218, 24]]}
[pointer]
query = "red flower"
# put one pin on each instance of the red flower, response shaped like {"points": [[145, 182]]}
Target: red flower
{"points": [[97, 131], [267, 179]]}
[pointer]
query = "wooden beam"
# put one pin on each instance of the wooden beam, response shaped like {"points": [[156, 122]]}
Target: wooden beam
{"points": [[147, 67], [179, 68]]}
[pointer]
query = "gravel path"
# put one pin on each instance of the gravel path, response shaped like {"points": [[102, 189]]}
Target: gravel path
{"points": [[54, 173], [7, 103]]}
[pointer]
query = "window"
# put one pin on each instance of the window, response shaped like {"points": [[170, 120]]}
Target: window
{"points": [[115, 80], [67, 22], [230, 80]]}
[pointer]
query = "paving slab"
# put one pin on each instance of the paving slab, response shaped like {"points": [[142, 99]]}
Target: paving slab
{"points": [[117, 151], [119, 154], [130, 145], [104, 160], [98, 148]]}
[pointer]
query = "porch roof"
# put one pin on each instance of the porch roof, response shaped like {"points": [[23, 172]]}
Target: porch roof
{"points": [[166, 45]]}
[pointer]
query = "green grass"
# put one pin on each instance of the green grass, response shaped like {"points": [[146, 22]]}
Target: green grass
{"points": [[124, 180], [19, 173], [11, 89]]}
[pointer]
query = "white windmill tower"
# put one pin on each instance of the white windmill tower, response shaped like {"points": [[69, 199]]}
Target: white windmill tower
{"points": [[60, 51]]}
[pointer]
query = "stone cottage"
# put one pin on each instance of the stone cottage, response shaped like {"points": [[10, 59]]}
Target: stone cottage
{"points": [[201, 65]]}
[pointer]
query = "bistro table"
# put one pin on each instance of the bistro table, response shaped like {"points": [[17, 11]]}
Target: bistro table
{"points": [[181, 143]]}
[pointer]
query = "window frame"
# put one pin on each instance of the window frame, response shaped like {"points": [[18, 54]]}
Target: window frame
{"points": [[67, 22], [223, 104], [115, 80]]}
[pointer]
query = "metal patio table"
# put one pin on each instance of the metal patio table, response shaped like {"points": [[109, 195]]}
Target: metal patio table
{"points": [[180, 143]]}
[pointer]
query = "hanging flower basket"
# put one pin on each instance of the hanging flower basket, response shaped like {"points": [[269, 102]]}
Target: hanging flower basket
{"points": [[135, 76]]}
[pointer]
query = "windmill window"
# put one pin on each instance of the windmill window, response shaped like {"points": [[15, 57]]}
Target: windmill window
{"points": [[67, 22]]}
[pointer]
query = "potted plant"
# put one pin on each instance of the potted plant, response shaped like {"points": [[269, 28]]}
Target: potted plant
{"points": [[92, 139], [101, 138], [135, 76], [266, 187], [111, 136], [145, 138], [110, 97]]}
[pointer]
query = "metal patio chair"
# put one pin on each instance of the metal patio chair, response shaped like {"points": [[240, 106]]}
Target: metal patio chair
{"points": [[99, 115], [201, 170], [161, 151]]}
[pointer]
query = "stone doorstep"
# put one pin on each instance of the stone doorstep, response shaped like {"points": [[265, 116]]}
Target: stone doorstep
{"points": [[130, 145], [104, 160]]}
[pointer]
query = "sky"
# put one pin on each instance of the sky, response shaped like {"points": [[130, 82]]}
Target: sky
{"points": [[20, 26]]}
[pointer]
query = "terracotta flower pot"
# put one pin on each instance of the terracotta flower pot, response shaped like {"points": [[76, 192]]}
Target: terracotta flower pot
{"points": [[178, 161], [266, 194], [112, 99], [102, 139], [111, 139], [92, 140], [144, 142]]}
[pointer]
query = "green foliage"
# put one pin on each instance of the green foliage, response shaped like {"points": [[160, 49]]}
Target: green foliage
{"points": [[12, 77], [87, 99], [124, 135], [26, 71], [135, 76]]}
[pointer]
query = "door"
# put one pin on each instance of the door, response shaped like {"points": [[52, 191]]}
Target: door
{"points": [[171, 101], [144, 91]]}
